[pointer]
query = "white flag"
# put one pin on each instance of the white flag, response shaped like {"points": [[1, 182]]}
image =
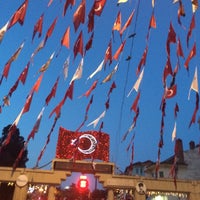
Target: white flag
{"points": [[96, 121], [18, 118], [66, 68], [174, 132], [109, 76], [194, 5], [3, 31], [79, 71], [175, 1], [194, 84], [153, 3], [137, 83], [122, 1], [99, 68]]}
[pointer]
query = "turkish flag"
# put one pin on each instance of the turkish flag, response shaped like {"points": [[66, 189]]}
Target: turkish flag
{"points": [[98, 7], [170, 92], [82, 145]]}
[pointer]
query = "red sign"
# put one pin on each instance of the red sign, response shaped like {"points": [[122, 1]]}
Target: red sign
{"points": [[82, 145]]}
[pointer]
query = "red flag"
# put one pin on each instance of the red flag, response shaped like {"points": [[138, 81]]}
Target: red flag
{"points": [[128, 22], [12, 131], [89, 43], [79, 15], [27, 103], [69, 92], [170, 92], [142, 61], [135, 103], [19, 157], [132, 153], [78, 46], [36, 126], [88, 92], [136, 116], [113, 86], [167, 70], [24, 73], [88, 106], [57, 109], [131, 141], [36, 86], [117, 23], [86, 114], [50, 30], [119, 50], [47, 141], [6, 69], [171, 34], [12, 89], [171, 38], [190, 56], [19, 15], [38, 27], [67, 3], [65, 41], [98, 6], [90, 21], [82, 145], [195, 110], [108, 53], [192, 26], [193, 118], [152, 22], [181, 12], [176, 109], [53, 92]]}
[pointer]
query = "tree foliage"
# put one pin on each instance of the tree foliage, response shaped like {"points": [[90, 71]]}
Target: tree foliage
{"points": [[74, 193], [9, 153]]}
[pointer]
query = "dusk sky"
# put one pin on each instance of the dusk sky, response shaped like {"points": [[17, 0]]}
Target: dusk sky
{"points": [[119, 117]]}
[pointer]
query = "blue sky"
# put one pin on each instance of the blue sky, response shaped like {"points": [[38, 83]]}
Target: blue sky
{"points": [[118, 117]]}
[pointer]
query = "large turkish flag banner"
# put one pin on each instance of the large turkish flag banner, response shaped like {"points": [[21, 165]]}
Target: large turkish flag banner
{"points": [[82, 145]]}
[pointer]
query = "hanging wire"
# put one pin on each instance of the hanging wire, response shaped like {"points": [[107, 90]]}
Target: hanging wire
{"points": [[43, 166], [126, 79]]}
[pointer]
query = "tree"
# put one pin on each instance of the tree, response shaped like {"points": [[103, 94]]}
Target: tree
{"points": [[99, 194], [8, 155], [72, 193]]}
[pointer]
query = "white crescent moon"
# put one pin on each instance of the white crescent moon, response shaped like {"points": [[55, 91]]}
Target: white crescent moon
{"points": [[93, 143], [169, 92], [98, 9]]}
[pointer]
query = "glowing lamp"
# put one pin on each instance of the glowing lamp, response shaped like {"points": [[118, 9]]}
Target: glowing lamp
{"points": [[83, 183]]}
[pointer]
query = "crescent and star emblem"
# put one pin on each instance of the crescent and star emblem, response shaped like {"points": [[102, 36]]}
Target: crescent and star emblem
{"points": [[92, 146]]}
